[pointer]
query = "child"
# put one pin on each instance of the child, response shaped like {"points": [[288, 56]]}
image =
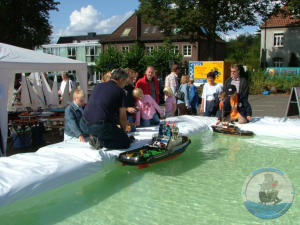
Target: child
{"points": [[73, 114], [222, 96], [235, 108], [170, 102], [146, 109]]}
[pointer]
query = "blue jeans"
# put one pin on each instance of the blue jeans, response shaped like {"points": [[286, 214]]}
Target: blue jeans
{"points": [[109, 135], [130, 119], [154, 121]]}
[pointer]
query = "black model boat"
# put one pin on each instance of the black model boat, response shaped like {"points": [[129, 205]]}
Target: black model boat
{"points": [[167, 145], [231, 130]]}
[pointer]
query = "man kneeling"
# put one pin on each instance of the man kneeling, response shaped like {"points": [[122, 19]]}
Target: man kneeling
{"points": [[106, 108], [73, 114], [234, 108]]}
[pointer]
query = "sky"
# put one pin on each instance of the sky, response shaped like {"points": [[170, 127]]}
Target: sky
{"points": [[78, 17]]}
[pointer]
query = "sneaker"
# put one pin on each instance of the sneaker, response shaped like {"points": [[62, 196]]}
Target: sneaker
{"points": [[94, 142], [131, 138]]}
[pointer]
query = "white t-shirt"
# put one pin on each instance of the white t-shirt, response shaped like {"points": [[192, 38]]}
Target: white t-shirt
{"points": [[209, 91], [63, 85]]}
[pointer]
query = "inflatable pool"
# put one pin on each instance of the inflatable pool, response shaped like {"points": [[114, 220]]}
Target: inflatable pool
{"points": [[28, 174]]}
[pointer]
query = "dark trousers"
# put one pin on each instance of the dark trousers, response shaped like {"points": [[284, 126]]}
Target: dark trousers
{"points": [[182, 109], [109, 135]]}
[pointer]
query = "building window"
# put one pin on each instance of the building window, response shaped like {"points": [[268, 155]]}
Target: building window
{"points": [[72, 52], [278, 40], [125, 49], [92, 53], [154, 29], [146, 30], [278, 62], [149, 50], [187, 50], [176, 49], [126, 32]]}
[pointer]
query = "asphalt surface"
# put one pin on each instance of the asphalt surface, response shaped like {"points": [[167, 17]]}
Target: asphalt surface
{"points": [[269, 105]]}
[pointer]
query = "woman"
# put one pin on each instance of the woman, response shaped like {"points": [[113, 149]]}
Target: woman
{"points": [[209, 104], [183, 102], [194, 97]]}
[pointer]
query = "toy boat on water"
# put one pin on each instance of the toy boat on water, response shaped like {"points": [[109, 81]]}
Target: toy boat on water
{"points": [[231, 129], [167, 145]]}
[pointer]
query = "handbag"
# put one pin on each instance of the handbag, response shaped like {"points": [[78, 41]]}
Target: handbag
{"points": [[179, 95]]}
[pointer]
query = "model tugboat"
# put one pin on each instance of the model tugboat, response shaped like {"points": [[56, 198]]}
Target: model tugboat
{"points": [[168, 144], [231, 129]]}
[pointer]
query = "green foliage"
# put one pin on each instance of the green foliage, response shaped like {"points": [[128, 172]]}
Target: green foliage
{"points": [[133, 58], [294, 62], [25, 23], [259, 81], [244, 50], [196, 19], [110, 59], [138, 60]]}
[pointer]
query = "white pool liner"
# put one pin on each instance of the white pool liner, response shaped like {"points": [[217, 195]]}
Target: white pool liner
{"points": [[27, 174]]}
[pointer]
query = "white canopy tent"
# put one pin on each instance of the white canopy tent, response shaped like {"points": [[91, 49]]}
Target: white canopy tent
{"points": [[19, 60]]}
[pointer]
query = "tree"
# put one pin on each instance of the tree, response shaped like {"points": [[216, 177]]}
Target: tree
{"points": [[25, 23], [109, 59], [162, 58], [293, 60], [245, 50], [133, 58], [198, 19], [138, 60]]}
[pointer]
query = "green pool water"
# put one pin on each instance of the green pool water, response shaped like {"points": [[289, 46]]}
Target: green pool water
{"points": [[202, 186]]}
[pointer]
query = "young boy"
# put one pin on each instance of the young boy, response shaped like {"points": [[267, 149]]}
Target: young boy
{"points": [[234, 108], [73, 114]]}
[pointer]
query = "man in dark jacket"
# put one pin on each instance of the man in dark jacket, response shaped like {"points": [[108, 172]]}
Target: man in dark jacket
{"points": [[73, 114], [234, 108], [239, 82]]}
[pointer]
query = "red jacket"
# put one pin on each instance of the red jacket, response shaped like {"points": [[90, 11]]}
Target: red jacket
{"points": [[144, 84]]}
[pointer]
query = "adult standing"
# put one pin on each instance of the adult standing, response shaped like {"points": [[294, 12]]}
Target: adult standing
{"points": [[239, 82], [183, 104], [106, 103], [209, 104], [65, 79], [172, 79], [149, 84]]}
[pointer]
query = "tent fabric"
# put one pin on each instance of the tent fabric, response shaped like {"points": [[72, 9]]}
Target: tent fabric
{"points": [[19, 60], [52, 166]]}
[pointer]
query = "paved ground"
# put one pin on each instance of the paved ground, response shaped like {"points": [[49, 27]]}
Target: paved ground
{"points": [[269, 105]]}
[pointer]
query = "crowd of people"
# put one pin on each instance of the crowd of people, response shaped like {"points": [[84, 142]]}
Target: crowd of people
{"points": [[121, 102]]}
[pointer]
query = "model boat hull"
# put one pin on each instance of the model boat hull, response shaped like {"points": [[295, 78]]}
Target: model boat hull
{"points": [[231, 130], [150, 154]]}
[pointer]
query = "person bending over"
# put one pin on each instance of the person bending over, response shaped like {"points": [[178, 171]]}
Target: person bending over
{"points": [[234, 108], [146, 109], [106, 105]]}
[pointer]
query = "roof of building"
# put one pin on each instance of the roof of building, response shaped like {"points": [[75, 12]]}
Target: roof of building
{"points": [[281, 20], [80, 38], [133, 29]]}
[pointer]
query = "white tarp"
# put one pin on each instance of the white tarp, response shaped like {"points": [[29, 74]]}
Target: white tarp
{"points": [[24, 175], [19, 60]]}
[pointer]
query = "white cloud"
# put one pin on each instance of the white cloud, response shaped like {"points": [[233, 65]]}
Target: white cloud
{"points": [[89, 19]]}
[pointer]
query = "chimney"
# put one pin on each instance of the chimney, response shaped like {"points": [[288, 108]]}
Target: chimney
{"points": [[91, 34]]}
